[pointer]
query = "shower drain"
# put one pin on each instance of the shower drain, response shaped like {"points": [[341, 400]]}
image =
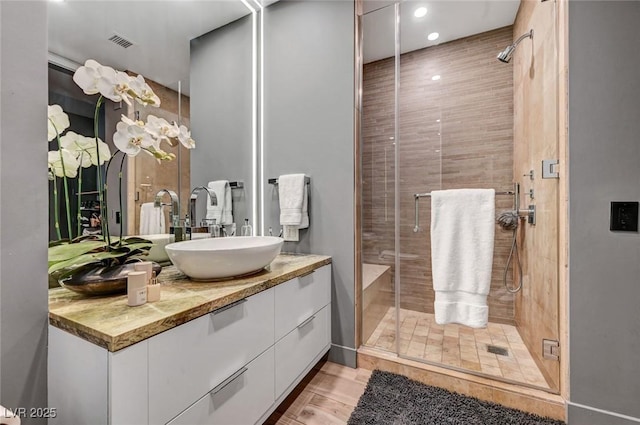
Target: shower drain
{"points": [[494, 349]]}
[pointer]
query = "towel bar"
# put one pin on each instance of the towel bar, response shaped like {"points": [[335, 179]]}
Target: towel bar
{"points": [[417, 196], [307, 180]]}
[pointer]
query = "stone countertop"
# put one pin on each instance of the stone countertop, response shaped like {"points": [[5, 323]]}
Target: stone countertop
{"points": [[110, 323]]}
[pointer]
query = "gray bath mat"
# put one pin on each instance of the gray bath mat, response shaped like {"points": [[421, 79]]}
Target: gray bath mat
{"points": [[396, 400]]}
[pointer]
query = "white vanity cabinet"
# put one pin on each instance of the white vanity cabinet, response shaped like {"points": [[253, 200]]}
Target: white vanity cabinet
{"points": [[231, 366], [302, 324], [204, 352]]}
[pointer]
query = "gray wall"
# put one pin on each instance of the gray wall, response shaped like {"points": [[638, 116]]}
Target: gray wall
{"points": [[23, 204], [604, 151], [221, 111], [308, 128]]}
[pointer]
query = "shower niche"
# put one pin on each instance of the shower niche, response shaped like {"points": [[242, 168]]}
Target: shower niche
{"points": [[445, 112]]}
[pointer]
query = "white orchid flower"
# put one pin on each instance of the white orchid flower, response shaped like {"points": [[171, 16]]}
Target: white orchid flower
{"points": [[131, 139], [57, 121], [56, 159], [160, 129], [117, 87], [143, 92], [87, 77], [184, 135], [161, 155], [129, 121], [84, 149], [94, 78]]}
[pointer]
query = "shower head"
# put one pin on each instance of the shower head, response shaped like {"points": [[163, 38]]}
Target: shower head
{"points": [[507, 53]]}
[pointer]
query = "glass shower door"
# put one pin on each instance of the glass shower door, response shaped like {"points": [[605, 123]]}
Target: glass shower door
{"points": [[379, 178]]}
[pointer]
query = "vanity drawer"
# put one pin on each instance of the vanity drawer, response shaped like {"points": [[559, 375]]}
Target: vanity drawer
{"points": [[299, 298], [297, 349], [186, 362], [240, 399]]}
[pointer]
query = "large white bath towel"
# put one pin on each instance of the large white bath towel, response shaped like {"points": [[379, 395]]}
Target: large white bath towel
{"points": [[294, 199], [151, 219], [462, 235], [223, 211]]}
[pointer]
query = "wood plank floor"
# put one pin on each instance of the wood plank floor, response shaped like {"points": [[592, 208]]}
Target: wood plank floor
{"points": [[327, 395]]}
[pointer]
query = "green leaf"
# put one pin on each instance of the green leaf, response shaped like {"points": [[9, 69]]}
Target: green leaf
{"points": [[58, 242], [129, 241], [66, 258], [69, 251], [83, 260]]}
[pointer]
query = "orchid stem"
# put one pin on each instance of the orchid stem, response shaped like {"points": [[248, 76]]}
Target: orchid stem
{"points": [[66, 185], [102, 187], [56, 214], [66, 201], [120, 188], [79, 227], [120, 195]]}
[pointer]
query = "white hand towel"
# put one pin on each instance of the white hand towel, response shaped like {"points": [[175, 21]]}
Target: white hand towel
{"points": [[223, 212], [151, 219], [462, 236], [293, 194]]}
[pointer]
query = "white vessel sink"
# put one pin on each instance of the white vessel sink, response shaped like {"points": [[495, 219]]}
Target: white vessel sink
{"points": [[224, 258]]}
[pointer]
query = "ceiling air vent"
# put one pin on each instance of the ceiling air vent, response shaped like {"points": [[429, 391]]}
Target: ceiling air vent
{"points": [[120, 41]]}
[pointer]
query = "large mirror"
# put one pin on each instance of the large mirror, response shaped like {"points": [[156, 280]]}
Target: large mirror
{"points": [[155, 39]]}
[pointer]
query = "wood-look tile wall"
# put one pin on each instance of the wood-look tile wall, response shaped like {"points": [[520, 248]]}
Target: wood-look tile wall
{"points": [[149, 176], [456, 132], [536, 137]]}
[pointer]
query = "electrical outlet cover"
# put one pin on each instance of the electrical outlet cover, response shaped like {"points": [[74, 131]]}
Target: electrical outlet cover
{"points": [[291, 233]]}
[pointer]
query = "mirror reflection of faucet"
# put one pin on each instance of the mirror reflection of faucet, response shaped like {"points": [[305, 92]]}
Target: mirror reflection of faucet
{"points": [[279, 234], [191, 221], [174, 218]]}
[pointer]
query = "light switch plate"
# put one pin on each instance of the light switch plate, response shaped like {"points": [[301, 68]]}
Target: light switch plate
{"points": [[624, 216]]}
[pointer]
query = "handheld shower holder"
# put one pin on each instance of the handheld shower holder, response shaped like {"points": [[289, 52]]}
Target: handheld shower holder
{"points": [[529, 214]]}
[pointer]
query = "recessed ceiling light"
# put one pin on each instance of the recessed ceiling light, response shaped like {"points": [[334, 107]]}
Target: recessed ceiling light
{"points": [[435, 77], [433, 36], [437, 120], [420, 12]]}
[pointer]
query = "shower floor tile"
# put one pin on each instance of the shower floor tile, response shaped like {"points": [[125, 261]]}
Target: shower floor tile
{"points": [[460, 346]]}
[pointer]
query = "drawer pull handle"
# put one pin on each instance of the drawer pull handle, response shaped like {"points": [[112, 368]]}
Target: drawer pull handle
{"points": [[227, 307], [306, 274], [227, 381], [306, 322]]}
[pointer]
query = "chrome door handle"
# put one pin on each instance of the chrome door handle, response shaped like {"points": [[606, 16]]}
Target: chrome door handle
{"points": [[227, 307], [306, 322], [227, 381]]}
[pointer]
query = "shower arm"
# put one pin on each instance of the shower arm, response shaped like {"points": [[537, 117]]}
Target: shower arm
{"points": [[522, 37]]}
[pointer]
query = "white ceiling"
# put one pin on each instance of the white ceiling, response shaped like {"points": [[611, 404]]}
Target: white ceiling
{"points": [[452, 19], [160, 30]]}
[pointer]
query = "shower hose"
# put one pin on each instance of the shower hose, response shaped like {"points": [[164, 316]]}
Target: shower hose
{"points": [[513, 254], [508, 220]]}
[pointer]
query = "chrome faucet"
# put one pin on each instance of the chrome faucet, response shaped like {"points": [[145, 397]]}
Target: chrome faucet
{"points": [[175, 205], [192, 207], [175, 228]]}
